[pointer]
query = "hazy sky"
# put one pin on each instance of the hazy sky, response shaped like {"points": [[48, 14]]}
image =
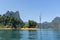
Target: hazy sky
{"points": [[31, 9]]}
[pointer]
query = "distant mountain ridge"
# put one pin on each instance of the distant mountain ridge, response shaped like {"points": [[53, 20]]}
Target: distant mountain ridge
{"points": [[55, 24]]}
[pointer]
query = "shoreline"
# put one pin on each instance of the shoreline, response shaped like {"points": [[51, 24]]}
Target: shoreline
{"points": [[19, 29], [29, 29]]}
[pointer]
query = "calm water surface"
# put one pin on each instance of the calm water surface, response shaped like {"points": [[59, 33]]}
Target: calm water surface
{"points": [[43, 34]]}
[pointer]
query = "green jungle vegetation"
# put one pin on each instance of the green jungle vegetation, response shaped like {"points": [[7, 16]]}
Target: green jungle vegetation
{"points": [[12, 22]]}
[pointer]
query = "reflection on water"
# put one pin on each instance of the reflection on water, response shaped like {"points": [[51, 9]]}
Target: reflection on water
{"points": [[46, 34], [57, 34], [9, 35], [30, 34]]}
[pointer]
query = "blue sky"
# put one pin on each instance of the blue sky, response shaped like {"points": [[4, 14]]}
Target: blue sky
{"points": [[31, 9]]}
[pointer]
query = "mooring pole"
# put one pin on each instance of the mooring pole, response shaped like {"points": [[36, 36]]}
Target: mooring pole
{"points": [[40, 28]]}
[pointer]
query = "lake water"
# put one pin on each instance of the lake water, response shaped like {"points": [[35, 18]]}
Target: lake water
{"points": [[43, 34]]}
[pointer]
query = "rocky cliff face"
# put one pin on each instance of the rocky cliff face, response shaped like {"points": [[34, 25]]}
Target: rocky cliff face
{"points": [[13, 14], [56, 23]]}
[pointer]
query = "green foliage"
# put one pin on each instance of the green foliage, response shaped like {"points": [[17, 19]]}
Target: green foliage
{"points": [[10, 22], [26, 26], [32, 24]]}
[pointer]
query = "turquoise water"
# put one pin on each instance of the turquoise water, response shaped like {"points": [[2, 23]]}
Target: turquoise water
{"points": [[43, 34]]}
